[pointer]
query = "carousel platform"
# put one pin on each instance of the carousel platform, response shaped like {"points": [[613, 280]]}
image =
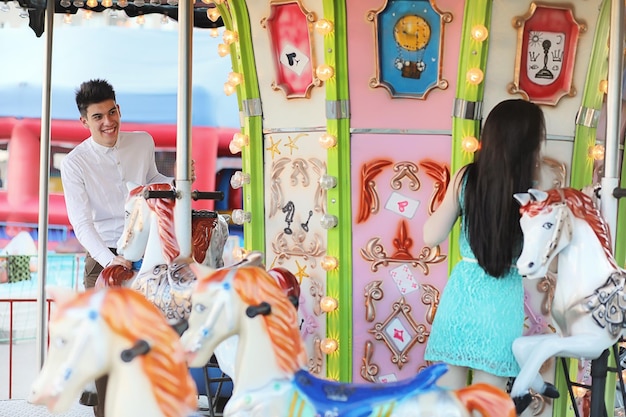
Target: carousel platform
{"points": [[21, 408]]}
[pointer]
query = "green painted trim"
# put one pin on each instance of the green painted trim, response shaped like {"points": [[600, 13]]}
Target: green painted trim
{"points": [[473, 54], [597, 70], [242, 56], [339, 239]]}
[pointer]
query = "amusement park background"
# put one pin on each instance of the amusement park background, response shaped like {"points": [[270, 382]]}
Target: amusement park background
{"points": [[337, 133]]}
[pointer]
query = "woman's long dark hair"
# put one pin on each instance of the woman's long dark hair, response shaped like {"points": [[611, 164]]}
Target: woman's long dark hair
{"points": [[505, 164]]}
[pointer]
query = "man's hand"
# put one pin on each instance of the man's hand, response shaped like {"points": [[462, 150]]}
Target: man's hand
{"points": [[120, 260]]}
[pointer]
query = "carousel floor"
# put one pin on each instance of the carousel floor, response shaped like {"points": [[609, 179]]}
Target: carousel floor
{"points": [[21, 408]]}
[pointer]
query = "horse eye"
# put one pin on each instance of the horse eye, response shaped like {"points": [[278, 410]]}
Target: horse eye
{"points": [[548, 225], [199, 308], [126, 214], [60, 342]]}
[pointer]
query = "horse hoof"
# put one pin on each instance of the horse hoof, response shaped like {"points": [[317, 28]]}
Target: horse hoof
{"points": [[550, 391], [88, 398], [522, 403]]}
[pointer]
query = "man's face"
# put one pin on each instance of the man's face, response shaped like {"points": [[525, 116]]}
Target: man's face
{"points": [[103, 121]]}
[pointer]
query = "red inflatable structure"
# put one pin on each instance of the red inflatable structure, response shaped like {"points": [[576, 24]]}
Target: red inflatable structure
{"points": [[19, 201]]}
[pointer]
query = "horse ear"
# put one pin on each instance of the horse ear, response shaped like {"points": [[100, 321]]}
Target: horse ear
{"points": [[60, 295], [522, 198], [200, 270], [538, 195], [131, 186]]}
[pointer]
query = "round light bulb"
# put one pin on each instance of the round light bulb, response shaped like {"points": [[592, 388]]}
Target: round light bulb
{"points": [[469, 144], [229, 88], [107, 3], [241, 139], [223, 49], [233, 148], [328, 304], [324, 72], [329, 263], [213, 14], [240, 216], [229, 37], [79, 4], [329, 345], [327, 182], [139, 3], [328, 221], [235, 78], [475, 76], [92, 3], [479, 32], [327, 140], [239, 179], [324, 27], [65, 3], [604, 86], [596, 152]]}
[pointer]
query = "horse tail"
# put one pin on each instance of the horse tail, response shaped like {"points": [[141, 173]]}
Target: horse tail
{"points": [[488, 400]]}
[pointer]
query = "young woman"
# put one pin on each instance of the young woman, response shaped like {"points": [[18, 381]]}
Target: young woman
{"points": [[481, 310]]}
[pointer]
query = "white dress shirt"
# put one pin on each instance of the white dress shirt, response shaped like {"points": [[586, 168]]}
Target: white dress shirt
{"points": [[94, 184]]}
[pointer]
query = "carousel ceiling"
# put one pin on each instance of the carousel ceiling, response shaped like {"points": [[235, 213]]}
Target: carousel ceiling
{"points": [[133, 8]]}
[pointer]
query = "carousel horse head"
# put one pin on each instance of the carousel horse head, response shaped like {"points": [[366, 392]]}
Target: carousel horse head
{"points": [[547, 222], [270, 376], [114, 331]]}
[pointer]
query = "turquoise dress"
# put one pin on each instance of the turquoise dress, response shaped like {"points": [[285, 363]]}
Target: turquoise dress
{"points": [[478, 317]]}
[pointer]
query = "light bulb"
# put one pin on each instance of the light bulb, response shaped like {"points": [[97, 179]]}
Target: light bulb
{"points": [[327, 140], [328, 304], [139, 3], [155, 2], [229, 88], [324, 27], [324, 72], [172, 2], [329, 345], [239, 179], [233, 148], [214, 33], [479, 32], [235, 78], [107, 3], [327, 182], [65, 3], [469, 144], [92, 3], [229, 37], [78, 4], [596, 152], [213, 14], [328, 221], [604, 86], [240, 217], [122, 3], [474, 76], [329, 263], [241, 139], [223, 49]]}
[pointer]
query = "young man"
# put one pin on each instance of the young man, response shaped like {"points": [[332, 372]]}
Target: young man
{"points": [[94, 176]]}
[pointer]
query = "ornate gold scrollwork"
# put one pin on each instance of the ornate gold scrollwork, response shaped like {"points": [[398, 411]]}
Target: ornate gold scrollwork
{"points": [[373, 292], [369, 201]]}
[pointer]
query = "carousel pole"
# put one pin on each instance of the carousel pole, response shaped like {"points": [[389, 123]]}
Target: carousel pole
{"points": [[44, 173], [610, 181], [182, 208]]}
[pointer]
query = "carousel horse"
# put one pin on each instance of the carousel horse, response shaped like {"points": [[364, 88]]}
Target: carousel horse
{"points": [[114, 331], [150, 236], [270, 379], [588, 305]]}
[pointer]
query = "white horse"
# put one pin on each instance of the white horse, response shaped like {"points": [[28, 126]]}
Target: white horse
{"points": [[589, 300], [114, 331], [269, 375], [149, 235]]}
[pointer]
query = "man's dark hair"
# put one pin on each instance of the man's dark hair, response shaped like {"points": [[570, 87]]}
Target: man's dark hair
{"points": [[93, 91]]}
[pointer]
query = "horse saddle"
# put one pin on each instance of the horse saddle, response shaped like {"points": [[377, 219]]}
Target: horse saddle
{"points": [[608, 304], [357, 400]]}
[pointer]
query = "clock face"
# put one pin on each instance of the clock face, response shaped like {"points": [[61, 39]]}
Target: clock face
{"points": [[412, 32]]}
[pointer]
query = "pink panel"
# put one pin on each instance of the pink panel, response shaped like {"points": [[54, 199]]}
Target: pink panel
{"points": [[400, 174], [374, 107]]}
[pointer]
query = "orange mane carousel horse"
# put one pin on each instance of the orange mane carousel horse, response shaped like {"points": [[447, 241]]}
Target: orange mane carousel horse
{"points": [[270, 379], [114, 331], [149, 235]]}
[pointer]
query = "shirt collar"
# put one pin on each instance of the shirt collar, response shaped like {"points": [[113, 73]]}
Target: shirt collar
{"points": [[105, 149]]}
